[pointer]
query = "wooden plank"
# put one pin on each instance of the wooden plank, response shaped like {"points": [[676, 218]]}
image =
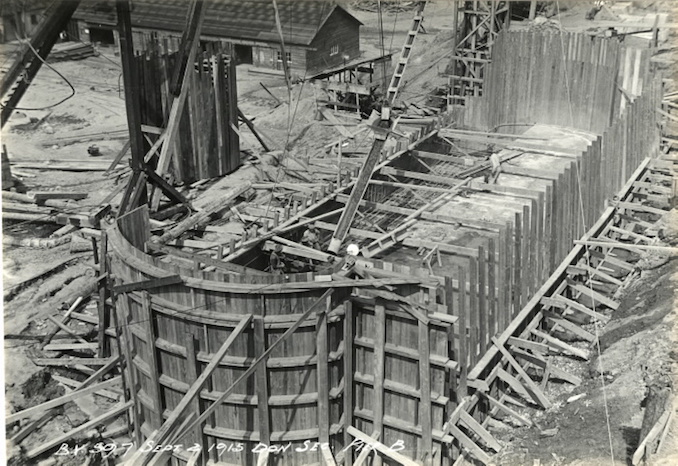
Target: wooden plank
{"points": [[141, 457], [629, 246], [469, 444], [528, 344], [125, 346], [572, 328], [71, 346], [103, 309], [348, 379], [67, 329], [41, 408], [323, 375], [327, 456], [541, 362], [641, 452], [425, 417], [463, 341], [148, 321], [480, 431], [48, 445], [380, 447], [514, 383], [561, 345], [532, 387], [379, 371], [261, 376], [564, 303], [483, 324], [73, 384], [70, 362], [598, 273], [492, 268], [597, 297], [474, 317], [611, 259], [502, 407], [192, 375], [364, 452], [357, 193]]}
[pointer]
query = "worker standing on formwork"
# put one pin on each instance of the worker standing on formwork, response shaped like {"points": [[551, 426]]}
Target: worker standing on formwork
{"points": [[496, 169], [311, 237], [276, 264]]}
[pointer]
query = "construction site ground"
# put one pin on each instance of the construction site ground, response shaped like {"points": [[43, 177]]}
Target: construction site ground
{"points": [[637, 347]]}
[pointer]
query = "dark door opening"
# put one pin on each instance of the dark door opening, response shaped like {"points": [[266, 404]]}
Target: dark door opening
{"points": [[103, 36], [243, 54]]}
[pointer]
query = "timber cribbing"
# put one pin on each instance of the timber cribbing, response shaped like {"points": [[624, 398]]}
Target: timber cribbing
{"points": [[580, 293]]}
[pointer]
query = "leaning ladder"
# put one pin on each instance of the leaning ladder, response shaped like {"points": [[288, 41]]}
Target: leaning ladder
{"points": [[405, 53]]}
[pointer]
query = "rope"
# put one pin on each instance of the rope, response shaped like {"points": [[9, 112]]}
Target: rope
{"points": [[586, 248], [60, 75]]}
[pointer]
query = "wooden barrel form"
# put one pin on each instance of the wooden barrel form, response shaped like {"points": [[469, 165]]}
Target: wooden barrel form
{"points": [[170, 333]]}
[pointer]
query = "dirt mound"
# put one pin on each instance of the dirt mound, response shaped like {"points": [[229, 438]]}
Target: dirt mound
{"points": [[41, 387]]}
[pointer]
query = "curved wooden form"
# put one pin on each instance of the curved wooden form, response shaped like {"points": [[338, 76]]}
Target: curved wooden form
{"points": [[171, 333], [392, 375]]}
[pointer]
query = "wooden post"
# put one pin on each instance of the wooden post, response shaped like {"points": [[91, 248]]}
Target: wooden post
{"points": [[463, 358], [491, 291], [192, 372], [261, 377], [132, 97], [148, 320], [348, 379], [129, 379], [483, 327], [378, 362], [323, 375], [533, 9], [104, 346], [357, 193], [425, 451], [517, 262], [474, 320]]}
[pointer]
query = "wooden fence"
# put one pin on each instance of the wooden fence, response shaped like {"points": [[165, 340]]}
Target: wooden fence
{"points": [[563, 79], [207, 144]]}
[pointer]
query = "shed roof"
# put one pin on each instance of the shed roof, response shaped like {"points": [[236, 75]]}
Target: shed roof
{"points": [[241, 19]]}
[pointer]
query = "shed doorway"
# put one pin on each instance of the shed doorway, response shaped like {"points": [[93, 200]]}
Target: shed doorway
{"points": [[243, 54]]}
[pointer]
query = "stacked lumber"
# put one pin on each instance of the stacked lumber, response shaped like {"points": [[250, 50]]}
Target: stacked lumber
{"points": [[72, 51]]}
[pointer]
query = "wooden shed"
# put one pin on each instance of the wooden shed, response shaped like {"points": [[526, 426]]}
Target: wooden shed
{"points": [[318, 34]]}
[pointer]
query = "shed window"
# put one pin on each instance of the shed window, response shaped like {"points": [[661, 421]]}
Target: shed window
{"points": [[288, 56], [334, 50], [34, 19]]}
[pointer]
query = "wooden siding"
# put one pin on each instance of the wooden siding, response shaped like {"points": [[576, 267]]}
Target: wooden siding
{"points": [[266, 56], [340, 29]]}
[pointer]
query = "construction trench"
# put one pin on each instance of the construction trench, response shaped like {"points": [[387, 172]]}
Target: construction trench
{"points": [[495, 238]]}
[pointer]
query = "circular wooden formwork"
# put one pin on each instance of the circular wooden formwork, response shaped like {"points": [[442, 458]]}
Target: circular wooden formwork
{"points": [[170, 334]]}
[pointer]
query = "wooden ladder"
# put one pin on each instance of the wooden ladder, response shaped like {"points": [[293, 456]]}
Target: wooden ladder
{"points": [[405, 54]]}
